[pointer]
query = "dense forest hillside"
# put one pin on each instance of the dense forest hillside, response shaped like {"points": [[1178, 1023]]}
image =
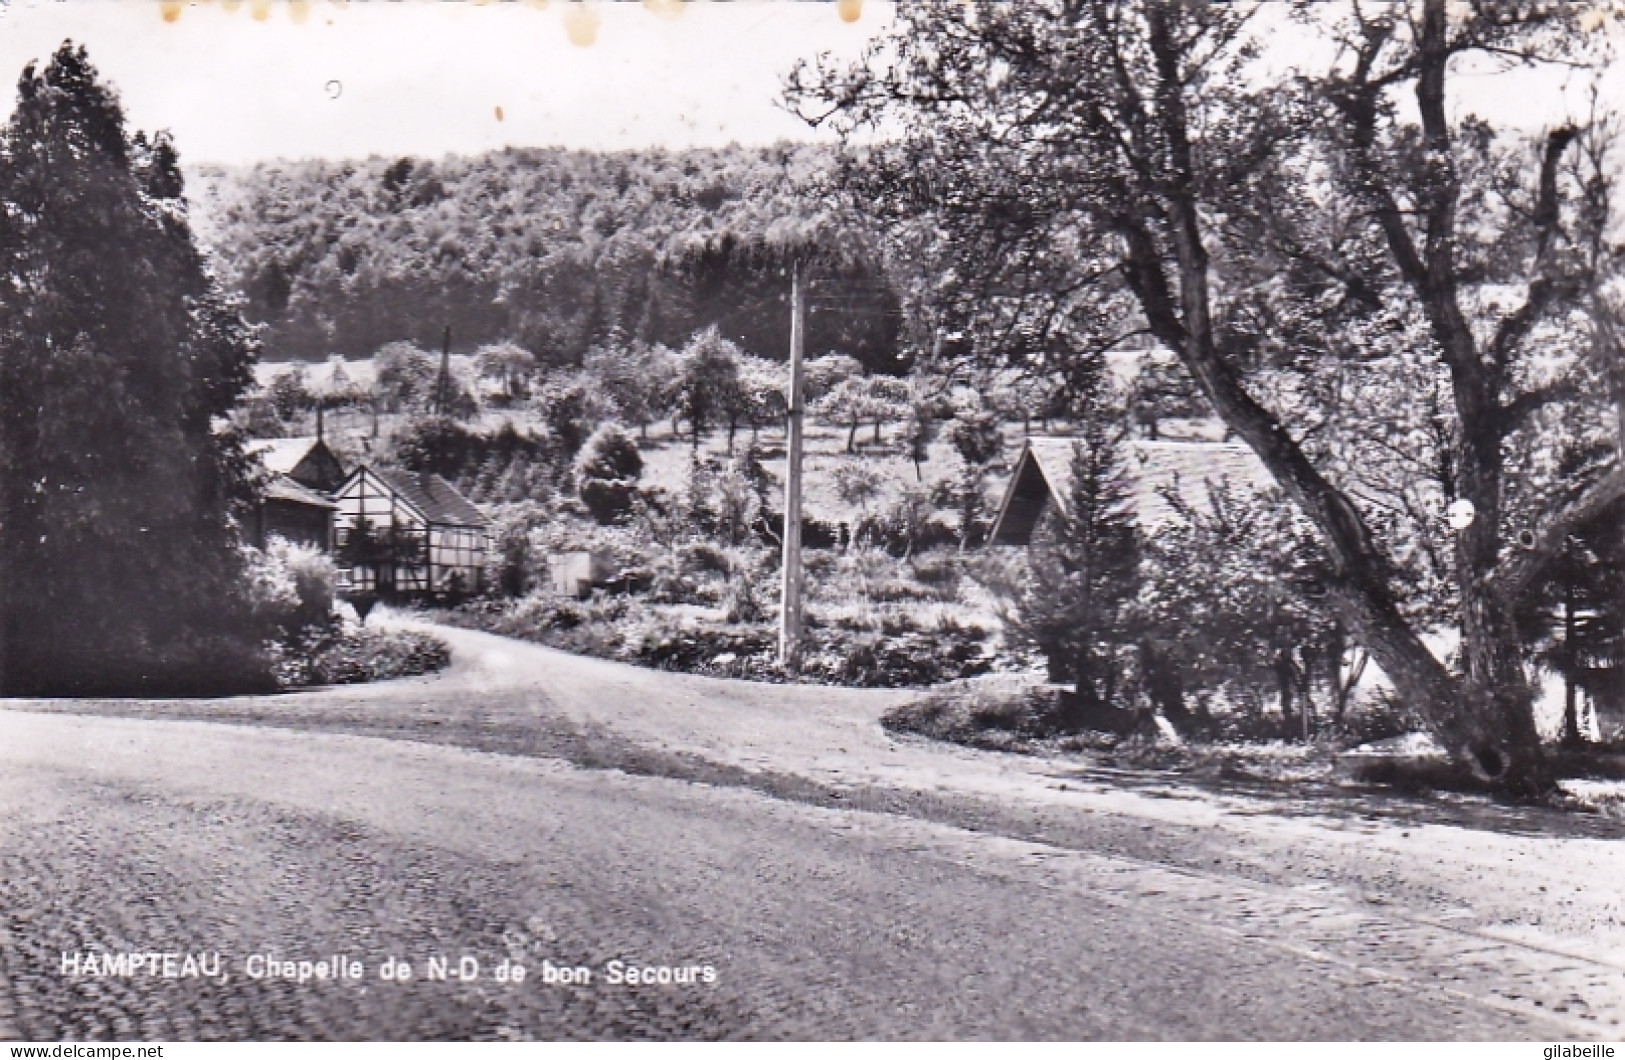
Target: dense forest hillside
{"points": [[558, 250]]}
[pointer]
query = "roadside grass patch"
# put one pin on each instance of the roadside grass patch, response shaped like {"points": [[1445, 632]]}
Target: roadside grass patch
{"points": [[1002, 712], [1603, 797]]}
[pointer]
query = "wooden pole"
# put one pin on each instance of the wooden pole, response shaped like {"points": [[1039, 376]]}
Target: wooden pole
{"points": [[790, 592]]}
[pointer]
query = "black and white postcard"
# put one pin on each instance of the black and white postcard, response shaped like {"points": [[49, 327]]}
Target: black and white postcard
{"points": [[948, 520]]}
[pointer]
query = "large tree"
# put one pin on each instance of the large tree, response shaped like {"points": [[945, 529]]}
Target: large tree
{"points": [[118, 363], [1091, 167]]}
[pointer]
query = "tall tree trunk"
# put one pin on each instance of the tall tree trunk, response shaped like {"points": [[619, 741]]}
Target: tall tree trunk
{"points": [[1286, 682], [1485, 719]]}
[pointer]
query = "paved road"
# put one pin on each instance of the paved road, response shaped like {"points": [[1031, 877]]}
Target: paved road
{"points": [[836, 885]]}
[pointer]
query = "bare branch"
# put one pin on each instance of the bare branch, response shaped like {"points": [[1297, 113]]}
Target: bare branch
{"points": [[1515, 413]]}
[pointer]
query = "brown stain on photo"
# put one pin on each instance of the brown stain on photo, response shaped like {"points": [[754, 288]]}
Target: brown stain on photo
{"points": [[499, 114], [299, 11], [581, 23], [259, 9], [665, 8], [171, 10], [849, 10], [228, 6]]}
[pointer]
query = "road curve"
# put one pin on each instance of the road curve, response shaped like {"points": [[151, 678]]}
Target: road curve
{"points": [[371, 823]]}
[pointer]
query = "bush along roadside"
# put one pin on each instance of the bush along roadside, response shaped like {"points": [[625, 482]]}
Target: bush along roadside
{"points": [[351, 654], [309, 641], [627, 630]]}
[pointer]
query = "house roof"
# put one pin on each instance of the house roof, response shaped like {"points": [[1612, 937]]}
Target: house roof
{"points": [[1153, 467], [436, 498], [281, 455], [283, 488]]}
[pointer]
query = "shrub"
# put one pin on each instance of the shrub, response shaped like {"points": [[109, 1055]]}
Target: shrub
{"points": [[609, 502], [610, 454], [568, 410], [608, 469], [702, 557], [897, 660], [437, 445], [514, 561], [351, 655], [291, 589], [314, 583], [993, 713], [687, 648]]}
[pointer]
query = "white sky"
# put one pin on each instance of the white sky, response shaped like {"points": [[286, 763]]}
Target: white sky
{"points": [[242, 80], [426, 77]]}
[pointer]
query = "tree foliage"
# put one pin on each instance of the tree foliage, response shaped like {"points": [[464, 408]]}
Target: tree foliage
{"points": [[709, 389], [607, 472], [1095, 170], [559, 251], [118, 363]]}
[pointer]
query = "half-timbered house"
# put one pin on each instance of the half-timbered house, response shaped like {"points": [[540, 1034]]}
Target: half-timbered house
{"points": [[401, 534]]}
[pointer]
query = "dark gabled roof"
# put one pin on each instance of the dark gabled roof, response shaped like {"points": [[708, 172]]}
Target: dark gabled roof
{"points": [[1044, 472], [436, 498], [283, 488], [280, 455], [1155, 466], [306, 460]]}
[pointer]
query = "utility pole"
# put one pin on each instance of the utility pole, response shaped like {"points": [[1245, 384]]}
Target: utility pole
{"points": [[790, 593], [442, 385]]}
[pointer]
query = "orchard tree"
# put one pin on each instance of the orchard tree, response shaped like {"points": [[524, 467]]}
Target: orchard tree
{"points": [[823, 374], [1095, 169], [119, 362], [889, 402], [509, 364], [406, 376], [846, 404], [709, 390], [762, 385], [637, 379], [1162, 390]]}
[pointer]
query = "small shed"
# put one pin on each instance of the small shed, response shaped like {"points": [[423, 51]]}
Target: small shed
{"points": [[575, 573], [295, 505], [405, 534], [1043, 477], [296, 514]]}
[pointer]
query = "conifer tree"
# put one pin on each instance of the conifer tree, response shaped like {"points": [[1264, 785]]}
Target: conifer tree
{"points": [[1083, 576], [119, 359]]}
